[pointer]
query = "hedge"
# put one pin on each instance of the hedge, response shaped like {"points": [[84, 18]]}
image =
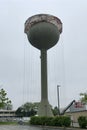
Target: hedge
{"points": [[51, 121], [82, 120]]}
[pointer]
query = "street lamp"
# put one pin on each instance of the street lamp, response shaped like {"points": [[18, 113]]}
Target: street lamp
{"points": [[58, 98]]}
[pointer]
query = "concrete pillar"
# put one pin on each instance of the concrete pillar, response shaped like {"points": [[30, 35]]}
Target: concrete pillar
{"points": [[44, 108]]}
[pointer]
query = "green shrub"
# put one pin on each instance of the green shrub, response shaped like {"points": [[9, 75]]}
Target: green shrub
{"points": [[35, 120], [57, 121], [51, 121], [66, 121], [46, 121], [62, 121], [82, 121], [43, 120]]}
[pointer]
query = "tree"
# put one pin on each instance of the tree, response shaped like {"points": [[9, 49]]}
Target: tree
{"points": [[83, 97], [55, 111], [27, 109], [5, 103]]}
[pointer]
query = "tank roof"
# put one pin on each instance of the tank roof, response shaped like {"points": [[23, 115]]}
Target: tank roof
{"points": [[42, 18]]}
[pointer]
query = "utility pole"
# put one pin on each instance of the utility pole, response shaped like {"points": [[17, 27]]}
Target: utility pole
{"points": [[58, 98]]}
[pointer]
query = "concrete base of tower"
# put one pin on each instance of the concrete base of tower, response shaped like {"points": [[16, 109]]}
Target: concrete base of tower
{"points": [[45, 109]]}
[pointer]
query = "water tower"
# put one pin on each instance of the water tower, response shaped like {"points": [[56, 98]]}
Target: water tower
{"points": [[43, 32]]}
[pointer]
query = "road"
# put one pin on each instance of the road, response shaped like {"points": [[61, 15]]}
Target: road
{"points": [[21, 127], [25, 127]]}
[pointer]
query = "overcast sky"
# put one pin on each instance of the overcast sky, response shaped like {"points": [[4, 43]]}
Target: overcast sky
{"points": [[20, 62]]}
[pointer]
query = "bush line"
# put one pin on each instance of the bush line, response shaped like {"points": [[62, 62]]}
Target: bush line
{"points": [[61, 121]]}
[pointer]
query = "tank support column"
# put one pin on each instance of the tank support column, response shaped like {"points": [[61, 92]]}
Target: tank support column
{"points": [[44, 108], [44, 89]]}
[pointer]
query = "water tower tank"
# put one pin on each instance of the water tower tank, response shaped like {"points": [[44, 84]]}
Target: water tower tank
{"points": [[43, 30]]}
